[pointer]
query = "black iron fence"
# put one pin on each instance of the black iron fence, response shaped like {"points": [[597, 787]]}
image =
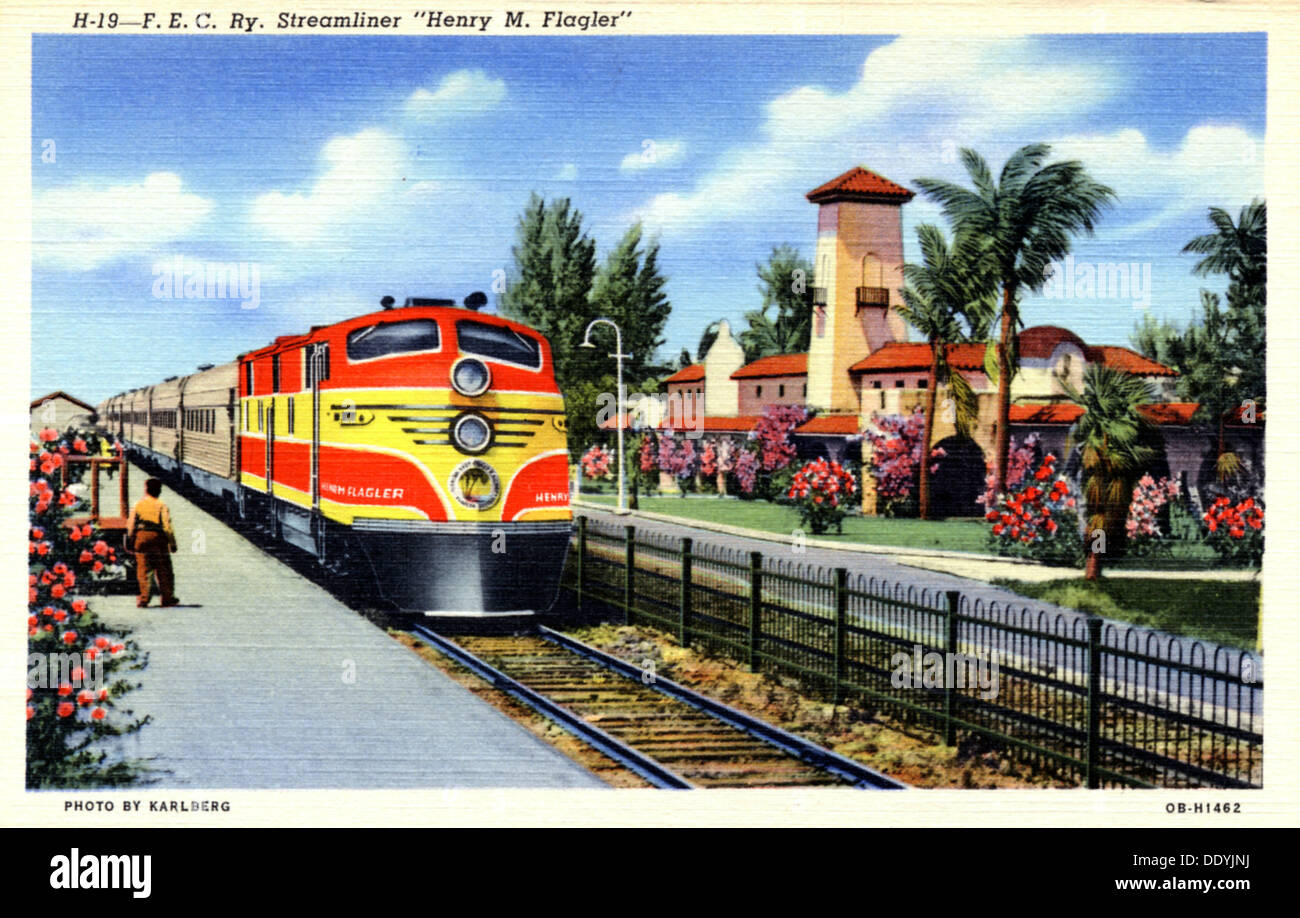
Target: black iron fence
{"points": [[1078, 697]]}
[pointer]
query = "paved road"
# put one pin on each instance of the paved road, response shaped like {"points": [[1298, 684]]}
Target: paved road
{"points": [[883, 567], [248, 686]]}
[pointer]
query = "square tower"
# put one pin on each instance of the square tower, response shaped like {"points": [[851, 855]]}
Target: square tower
{"points": [[858, 275]]}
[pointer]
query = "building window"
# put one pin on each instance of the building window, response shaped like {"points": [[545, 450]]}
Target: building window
{"points": [[248, 378], [758, 392], [922, 383], [805, 389], [275, 373], [780, 391], [291, 430], [875, 384], [898, 384]]}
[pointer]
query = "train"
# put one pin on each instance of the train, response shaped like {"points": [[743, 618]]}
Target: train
{"points": [[419, 450]]}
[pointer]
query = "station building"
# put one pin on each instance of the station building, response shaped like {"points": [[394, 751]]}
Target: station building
{"points": [[860, 364]]}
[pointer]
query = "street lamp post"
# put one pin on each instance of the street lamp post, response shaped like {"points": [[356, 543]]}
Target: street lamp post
{"points": [[620, 415]]}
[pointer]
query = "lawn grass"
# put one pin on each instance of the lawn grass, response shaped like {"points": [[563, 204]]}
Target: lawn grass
{"points": [[950, 535], [1226, 612]]}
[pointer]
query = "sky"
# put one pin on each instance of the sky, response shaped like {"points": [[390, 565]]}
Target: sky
{"points": [[334, 169]]}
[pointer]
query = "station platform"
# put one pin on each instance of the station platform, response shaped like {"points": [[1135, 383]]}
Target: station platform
{"points": [[262, 679]]}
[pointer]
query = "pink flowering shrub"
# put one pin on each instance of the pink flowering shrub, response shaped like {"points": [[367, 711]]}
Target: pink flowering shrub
{"points": [[895, 461], [678, 458], [1039, 521], [1150, 495], [822, 492], [596, 463], [746, 471], [774, 435]]}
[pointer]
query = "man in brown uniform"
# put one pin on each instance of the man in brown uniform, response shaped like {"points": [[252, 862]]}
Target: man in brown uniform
{"points": [[149, 534]]}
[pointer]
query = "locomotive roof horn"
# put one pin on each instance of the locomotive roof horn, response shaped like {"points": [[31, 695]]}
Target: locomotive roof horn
{"points": [[476, 300], [387, 302]]}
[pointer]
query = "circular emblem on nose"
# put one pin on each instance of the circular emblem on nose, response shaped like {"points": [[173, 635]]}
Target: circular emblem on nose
{"points": [[475, 484]]}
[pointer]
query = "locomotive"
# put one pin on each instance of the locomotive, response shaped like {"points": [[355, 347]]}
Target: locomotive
{"points": [[421, 448]]}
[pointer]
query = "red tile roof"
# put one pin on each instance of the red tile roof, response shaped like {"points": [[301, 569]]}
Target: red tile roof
{"points": [[776, 365], [1121, 358], [1045, 414], [837, 424], [1039, 342], [690, 373], [1169, 412], [860, 184], [901, 355]]}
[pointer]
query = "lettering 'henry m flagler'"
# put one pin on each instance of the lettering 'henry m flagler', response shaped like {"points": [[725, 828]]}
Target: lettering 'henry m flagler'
{"points": [[102, 871]]}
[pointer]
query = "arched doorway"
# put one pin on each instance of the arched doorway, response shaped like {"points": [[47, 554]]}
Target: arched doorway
{"points": [[959, 478]]}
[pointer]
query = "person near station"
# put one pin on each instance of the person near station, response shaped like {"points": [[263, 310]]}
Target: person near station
{"points": [[149, 534]]}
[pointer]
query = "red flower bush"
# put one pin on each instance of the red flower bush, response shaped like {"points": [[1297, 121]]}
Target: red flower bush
{"points": [[60, 733], [822, 491], [1039, 521], [1236, 531], [595, 464]]}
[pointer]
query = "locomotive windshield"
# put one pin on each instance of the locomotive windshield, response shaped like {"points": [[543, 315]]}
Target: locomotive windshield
{"points": [[496, 342], [393, 338]]}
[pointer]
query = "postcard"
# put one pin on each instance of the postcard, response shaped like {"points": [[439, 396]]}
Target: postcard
{"points": [[485, 415]]}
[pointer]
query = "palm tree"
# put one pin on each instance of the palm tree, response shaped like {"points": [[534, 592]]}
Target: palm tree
{"points": [[1226, 356], [1238, 250], [944, 296], [786, 334], [1028, 218], [1113, 440]]}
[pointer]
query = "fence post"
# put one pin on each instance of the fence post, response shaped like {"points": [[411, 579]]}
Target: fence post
{"points": [[755, 604], [841, 614], [684, 606], [1094, 701], [582, 560], [952, 603], [629, 575]]}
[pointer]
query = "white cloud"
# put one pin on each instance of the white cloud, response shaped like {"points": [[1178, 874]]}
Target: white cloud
{"points": [[465, 92], [1219, 165], [359, 172], [567, 173], [916, 101], [81, 228], [652, 155]]}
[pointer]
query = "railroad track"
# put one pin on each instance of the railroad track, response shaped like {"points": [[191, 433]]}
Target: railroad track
{"points": [[670, 735]]}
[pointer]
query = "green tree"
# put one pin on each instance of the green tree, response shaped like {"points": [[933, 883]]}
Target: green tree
{"points": [[1240, 252], [1114, 441], [783, 325], [948, 298], [630, 290], [1220, 357], [550, 286], [1028, 217]]}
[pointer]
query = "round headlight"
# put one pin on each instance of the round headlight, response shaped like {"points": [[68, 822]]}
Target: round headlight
{"points": [[470, 377], [472, 433]]}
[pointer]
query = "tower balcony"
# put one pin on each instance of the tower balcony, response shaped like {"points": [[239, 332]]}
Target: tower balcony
{"points": [[873, 296], [819, 297]]}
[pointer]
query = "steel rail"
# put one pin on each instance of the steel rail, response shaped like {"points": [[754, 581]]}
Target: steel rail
{"points": [[855, 772], [625, 755]]}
